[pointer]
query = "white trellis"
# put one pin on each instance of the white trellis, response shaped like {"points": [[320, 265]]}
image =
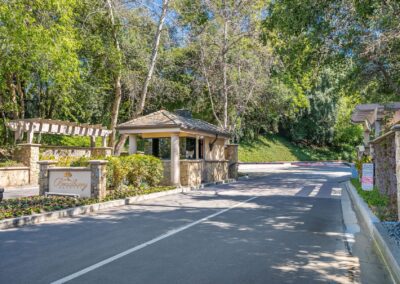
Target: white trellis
{"points": [[39, 125]]}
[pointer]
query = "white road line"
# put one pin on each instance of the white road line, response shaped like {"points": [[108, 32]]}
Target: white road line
{"points": [[143, 245]]}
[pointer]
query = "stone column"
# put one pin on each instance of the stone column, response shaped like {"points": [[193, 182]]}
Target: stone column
{"points": [[366, 138], [175, 161], [377, 128], [132, 144], [28, 154], [44, 175], [232, 155], [197, 147], [98, 184], [397, 153]]}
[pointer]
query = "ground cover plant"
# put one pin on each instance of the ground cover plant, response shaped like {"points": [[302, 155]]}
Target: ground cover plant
{"points": [[273, 148], [378, 202], [17, 207]]}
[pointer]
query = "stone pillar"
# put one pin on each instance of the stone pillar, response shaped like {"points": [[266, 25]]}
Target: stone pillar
{"points": [[397, 153], [175, 162], [197, 147], [98, 185], [44, 175], [28, 154], [132, 144], [232, 155], [366, 138]]}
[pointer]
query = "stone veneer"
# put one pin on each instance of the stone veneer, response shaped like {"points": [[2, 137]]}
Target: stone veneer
{"points": [[71, 151], [232, 155], [28, 154], [14, 176], [215, 171], [191, 172]]}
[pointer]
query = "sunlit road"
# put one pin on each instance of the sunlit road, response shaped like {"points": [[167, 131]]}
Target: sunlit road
{"points": [[285, 225]]}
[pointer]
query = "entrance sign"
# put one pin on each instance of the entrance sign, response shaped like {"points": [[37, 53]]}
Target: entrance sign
{"points": [[367, 180], [70, 182]]}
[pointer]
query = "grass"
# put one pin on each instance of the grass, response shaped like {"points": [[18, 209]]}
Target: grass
{"points": [[379, 203], [274, 148], [10, 163]]}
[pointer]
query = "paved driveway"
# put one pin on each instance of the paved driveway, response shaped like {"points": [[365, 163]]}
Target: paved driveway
{"points": [[283, 226]]}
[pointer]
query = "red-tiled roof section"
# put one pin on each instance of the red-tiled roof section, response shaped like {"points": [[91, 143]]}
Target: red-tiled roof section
{"points": [[166, 119]]}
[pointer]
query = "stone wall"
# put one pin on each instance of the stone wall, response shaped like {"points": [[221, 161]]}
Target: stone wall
{"points": [[191, 172], [215, 171], [71, 151], [385, 166], [14, 176]]}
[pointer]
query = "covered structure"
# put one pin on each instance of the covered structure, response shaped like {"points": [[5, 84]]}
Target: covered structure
{"points": [[192, 150], [374, 117]]}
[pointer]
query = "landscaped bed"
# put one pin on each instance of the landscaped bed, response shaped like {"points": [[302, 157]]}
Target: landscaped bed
{"points": [[18, 207], [127, 176], [379, 203]]}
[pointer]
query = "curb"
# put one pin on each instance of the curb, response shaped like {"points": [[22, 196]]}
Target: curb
{"points": [[388, 250], [85, 209]]}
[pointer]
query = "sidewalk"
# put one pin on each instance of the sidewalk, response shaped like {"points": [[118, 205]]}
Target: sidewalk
{"points": [[21, 191]]}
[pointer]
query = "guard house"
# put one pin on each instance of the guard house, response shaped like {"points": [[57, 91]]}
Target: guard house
{"points": [[193, 151], [375, 119]]}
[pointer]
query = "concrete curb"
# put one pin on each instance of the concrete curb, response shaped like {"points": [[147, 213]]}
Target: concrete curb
{"points": [[85, 209], [388, 250]]}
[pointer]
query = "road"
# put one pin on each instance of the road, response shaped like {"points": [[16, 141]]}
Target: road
{"points": [[283, 225]]}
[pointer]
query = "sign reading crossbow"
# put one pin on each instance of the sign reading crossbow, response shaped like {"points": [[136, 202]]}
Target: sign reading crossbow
{"points": [[70, 182]]}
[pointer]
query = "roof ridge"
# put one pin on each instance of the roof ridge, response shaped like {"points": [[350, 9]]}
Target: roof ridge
{"points": [[168, 115]]}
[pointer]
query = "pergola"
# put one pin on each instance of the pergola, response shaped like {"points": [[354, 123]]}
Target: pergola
{"points": [[173, 126], [39, 125]]}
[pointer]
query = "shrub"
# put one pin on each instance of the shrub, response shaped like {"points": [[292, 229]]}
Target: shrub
{"points": [[143, 169], [10, 163]]}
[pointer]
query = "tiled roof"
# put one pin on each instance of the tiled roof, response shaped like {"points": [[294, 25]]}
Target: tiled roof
{"points": [[166, 119]]}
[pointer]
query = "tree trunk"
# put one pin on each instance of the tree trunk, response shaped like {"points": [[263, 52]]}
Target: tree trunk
{"points": [[117, 78], [21, 94], [13, 94], [224, 71], [150, 72]]}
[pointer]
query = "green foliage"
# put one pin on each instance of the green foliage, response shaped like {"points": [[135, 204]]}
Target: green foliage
{"points": [[17, 207], [273, 148], [378, 202], [9, 163]]}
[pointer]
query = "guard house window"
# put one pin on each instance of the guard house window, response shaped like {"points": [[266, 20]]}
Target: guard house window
{"points": [[187, 148], [158, 147]]}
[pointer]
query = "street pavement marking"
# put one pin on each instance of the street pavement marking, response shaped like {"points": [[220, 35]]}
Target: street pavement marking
{"points": [[143, 245]]}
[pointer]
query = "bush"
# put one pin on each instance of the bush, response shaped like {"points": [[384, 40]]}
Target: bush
{"points": [[134, 170]]}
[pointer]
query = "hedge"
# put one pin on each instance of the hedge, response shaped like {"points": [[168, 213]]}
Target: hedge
{"points": [[135, 170]]}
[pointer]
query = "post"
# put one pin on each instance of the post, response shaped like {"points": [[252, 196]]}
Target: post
{"points": [[377, 128], [92, 141], [44, 175], [197, 147], [29, 137], [175, 162], [366, 137], [132, 144], [98, 184], [28, 154], [104, 141], [231, 154]]}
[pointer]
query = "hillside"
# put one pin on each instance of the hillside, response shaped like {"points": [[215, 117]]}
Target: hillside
{"points": [[274, 148]]}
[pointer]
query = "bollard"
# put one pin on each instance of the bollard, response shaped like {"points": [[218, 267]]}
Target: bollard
{"points": [[1, 193]]}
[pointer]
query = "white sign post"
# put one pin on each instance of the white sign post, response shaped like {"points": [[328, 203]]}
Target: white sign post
{"points": [[367, 180], [70, 182]]}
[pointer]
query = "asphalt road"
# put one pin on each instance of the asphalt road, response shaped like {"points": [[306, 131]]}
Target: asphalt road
{"points": [[283, 226]]}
